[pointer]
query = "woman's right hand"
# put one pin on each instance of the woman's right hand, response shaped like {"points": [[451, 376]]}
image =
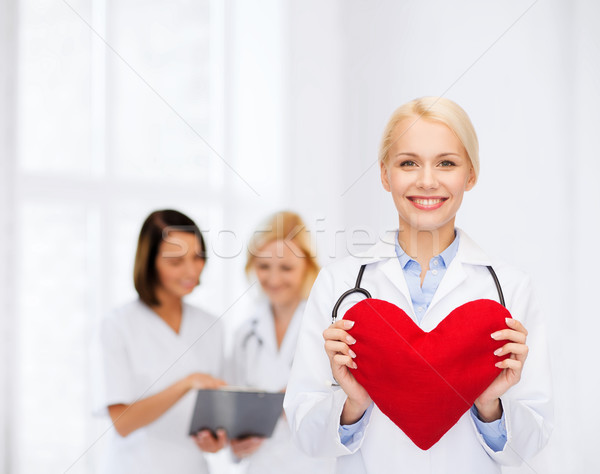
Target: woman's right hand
{"points": [[209, 443], [341, 359], [199, 381]]}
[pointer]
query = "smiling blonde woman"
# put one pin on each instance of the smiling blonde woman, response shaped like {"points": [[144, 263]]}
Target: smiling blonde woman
{"points": [[427, 268]]}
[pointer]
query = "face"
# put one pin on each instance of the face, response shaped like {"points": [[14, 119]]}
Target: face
{"points": [[280, 267], [179, 263], [427, 173]]}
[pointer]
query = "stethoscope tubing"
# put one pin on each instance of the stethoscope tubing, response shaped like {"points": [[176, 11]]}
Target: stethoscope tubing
{"points": [[358, 289]]}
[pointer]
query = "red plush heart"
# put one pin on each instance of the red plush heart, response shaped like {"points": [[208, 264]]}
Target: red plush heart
{"points": [[425, 381]]}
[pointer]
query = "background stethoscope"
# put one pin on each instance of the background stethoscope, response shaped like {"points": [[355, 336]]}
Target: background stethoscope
{"points": [[252, 334], [358, 289]]}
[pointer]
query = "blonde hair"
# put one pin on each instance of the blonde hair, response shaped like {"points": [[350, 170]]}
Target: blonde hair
{"points": [[286, 226], [437, 109]]}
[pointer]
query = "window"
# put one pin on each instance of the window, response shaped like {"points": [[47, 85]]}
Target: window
{"points": [[120, 111]]}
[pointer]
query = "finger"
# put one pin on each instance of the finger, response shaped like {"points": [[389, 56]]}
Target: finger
{"points": [[214, 384], [333, 334], [205, 441], [204, 434], [247, 443], [516, 325], [340, 325], [343, 324], [344, 361], [334, 347], [196, 438], [520, 350], [238, 445], [221, 437], [510, 335], [513, 364]]}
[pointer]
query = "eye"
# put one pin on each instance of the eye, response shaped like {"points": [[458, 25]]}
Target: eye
{"points": [[407, 164], [447, 163]]}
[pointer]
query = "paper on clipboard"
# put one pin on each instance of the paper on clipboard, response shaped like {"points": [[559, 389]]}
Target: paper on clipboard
{"points": [[238, 411]]}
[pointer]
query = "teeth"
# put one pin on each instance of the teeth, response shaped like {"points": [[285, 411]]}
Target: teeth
{"points": [[427, 202]]}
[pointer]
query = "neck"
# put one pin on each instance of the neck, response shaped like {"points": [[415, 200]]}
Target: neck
{"points": [[285, 311], [283, 314], [423, 245], [170, 308]]}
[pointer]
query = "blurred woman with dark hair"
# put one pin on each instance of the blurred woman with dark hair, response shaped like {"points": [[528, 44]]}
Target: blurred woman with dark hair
{"points": [[155, 351]]}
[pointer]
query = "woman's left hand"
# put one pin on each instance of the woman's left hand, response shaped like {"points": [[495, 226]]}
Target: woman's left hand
{"points": [[488, 404], [245, 447], [208, 443]]}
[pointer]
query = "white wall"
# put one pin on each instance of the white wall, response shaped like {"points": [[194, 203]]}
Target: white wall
{"points": [[316, 124], [576, 328], [8, 35]]}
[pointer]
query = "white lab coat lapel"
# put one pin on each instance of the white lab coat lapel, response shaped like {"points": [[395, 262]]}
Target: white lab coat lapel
{"points": [[393, 271], [468, 253], [288, 345], [384, 251], [455, 275]]}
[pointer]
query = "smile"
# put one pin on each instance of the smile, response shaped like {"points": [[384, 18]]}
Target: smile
{"points": [[427, 203]]}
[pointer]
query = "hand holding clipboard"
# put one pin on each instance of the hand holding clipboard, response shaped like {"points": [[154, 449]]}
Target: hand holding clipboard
{"points": [[240, 412]]}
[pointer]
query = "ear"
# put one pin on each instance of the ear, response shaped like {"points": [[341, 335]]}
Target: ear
{"points": [[471, 180], [384, 177]]}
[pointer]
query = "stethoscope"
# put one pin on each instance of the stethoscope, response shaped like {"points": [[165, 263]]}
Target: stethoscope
{"points": [[358, 289], [252, 334]]}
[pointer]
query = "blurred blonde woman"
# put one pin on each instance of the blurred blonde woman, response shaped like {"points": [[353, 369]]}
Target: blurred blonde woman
{"points": [[281, 258]]}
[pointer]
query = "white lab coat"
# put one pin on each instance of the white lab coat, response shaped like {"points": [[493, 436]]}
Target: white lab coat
{"points": [[258, 363], [313, 405], [139, 355]]}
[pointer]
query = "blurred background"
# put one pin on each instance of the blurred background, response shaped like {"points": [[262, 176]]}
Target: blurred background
{"points": [[230, 110]]}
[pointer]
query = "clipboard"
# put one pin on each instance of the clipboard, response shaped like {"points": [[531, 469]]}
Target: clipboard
{"points": [[238, 411]]}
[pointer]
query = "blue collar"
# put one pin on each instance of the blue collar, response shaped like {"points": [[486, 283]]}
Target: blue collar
{"points": [[445, 257]]}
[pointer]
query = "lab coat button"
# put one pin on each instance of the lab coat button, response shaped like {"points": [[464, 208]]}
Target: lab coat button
{"points": [[435, 272]]}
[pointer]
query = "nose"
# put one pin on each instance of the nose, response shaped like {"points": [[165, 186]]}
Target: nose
{"points": [[273, 277], [192, 269], [427, 178]]}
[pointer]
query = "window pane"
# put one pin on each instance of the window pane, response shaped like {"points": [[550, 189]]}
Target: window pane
{"points": [[54, 87], [51, 349], [159, 91]]}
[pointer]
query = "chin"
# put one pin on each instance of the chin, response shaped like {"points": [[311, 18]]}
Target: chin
{"points": [[425, 225], [186, 291], [279, 300]]}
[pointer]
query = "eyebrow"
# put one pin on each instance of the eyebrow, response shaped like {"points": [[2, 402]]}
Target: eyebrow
{"points": [[407, 153]]}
